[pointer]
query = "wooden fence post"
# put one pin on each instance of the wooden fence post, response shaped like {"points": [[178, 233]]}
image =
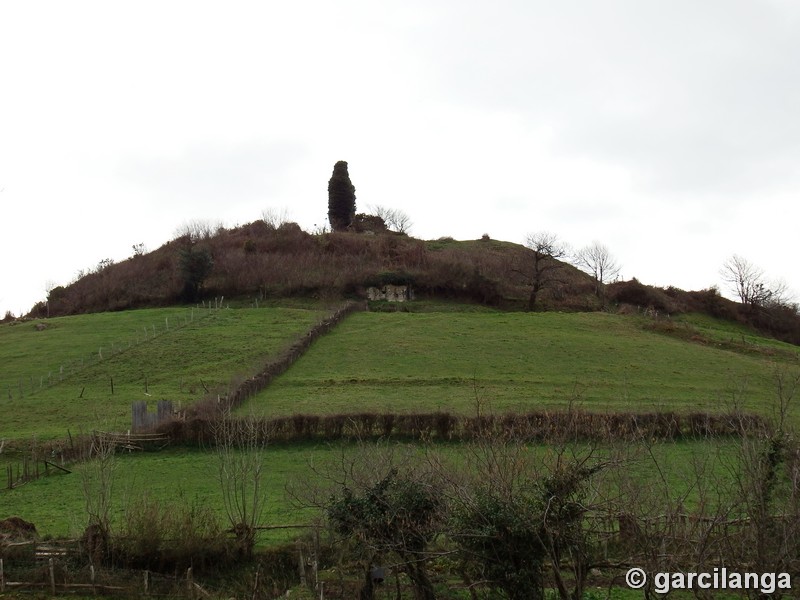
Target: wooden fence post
{"points": [[147, 583], [189, 583], [301, 563], [52, 577], [2, 578], [91, 574]]}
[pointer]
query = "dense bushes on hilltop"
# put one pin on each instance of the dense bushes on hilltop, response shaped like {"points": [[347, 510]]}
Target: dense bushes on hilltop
{"points": [[779, 321], [256, 260], [262, 261]]}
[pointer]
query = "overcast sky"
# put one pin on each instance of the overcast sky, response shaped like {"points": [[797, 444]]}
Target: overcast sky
{"points": [[669, 131]]}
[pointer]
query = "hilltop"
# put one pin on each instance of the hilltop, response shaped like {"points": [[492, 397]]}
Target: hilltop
{"points": [[259, 261], [269, 262]]}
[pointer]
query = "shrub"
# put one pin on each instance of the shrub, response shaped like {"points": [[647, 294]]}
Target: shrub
{"points": [[637, 294], [389, 278], [369, 223], [168, 536]]}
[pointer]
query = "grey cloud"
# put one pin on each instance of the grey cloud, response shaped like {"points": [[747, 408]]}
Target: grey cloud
{"points": [[686, 95]]}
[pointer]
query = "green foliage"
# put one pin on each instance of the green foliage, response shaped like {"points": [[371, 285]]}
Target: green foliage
{"points": [[389, 278], [395, 514], [399, 514], [501, 544], [341, 198], [195, 265]]}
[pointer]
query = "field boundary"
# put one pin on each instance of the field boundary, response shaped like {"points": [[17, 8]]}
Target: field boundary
{"points": [[30, 385], [249, 387], [541, 426]]}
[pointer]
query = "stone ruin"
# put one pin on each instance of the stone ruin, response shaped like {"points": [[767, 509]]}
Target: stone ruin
{"points": [[391, 293]]}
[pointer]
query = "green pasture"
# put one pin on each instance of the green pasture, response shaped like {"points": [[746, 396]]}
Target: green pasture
{"points": [[80, 373], [738, 336], [56, 504], [404, 361]]}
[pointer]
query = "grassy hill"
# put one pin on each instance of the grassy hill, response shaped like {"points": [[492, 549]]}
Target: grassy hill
{"points": [[425, 356], [82, 372], [258, 261], [407, 362], [464, 345]]}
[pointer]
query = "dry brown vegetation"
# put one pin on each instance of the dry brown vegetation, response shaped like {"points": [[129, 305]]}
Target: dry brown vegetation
{"points": [[260, 261], [267, 261]]}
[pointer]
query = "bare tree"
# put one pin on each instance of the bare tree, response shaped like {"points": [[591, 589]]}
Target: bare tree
{"points": [[139, 249], [748, 282], [97, 485], [240, 445], [274, 217], [395, 219], [199, 229], [542, 270], [597, 260]]}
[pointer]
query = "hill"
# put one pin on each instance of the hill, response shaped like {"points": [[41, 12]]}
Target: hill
{"points": [[256, 261], [261, 262]]}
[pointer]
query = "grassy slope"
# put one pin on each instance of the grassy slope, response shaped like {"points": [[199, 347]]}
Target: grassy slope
{"points": [[178, 364], [423, 362], [407, 361]]}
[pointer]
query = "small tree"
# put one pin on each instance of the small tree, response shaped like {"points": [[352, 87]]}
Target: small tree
{"points": [[514, 512], [341, 198], [749, 283], [400, 514], [195, 266], [97, 484], [542, 270], [240, 446], [597, 260], [274, 218], [395, 219]]}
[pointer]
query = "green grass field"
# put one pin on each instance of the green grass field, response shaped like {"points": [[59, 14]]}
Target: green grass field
{"points": [[56, 505], [183, 353], [441, 358], [398, 361]]}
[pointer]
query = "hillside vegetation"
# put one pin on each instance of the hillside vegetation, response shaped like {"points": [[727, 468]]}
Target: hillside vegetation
{"points": [[257, 261], [264, 262], [627, 362]]}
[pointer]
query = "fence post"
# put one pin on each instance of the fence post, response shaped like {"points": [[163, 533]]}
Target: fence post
{"points": [[189, 583], [301, 563], [91, 574], [52, 577], [2, 578], [146, 583]]}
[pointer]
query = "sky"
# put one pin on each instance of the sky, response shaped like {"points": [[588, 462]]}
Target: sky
{"points": [[668, 131]]}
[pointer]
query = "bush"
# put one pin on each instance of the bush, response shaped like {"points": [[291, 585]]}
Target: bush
{"points": [[637, 294], [166, 537], [389, 278]]}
